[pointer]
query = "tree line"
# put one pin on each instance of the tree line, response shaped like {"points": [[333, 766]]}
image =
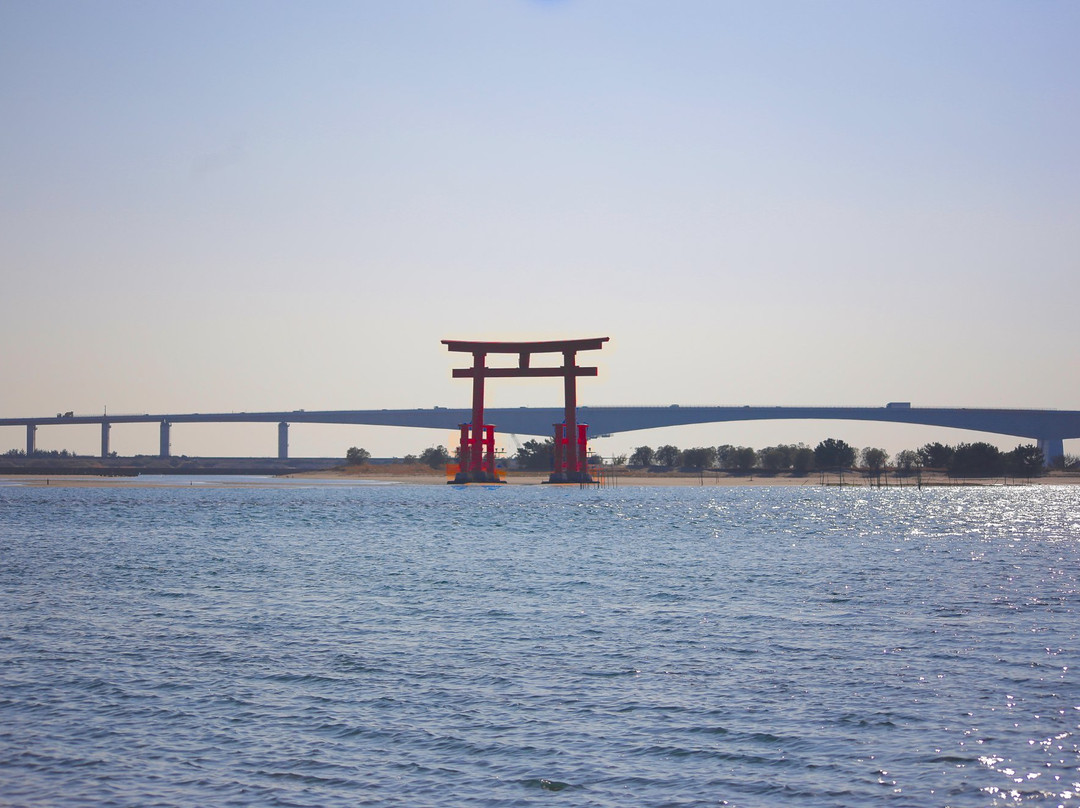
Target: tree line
{"points": [[434, 456], [830, 455], [50, 453]]}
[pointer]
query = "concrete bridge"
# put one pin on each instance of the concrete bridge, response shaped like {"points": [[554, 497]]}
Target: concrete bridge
{"points": [[1048, 428]]}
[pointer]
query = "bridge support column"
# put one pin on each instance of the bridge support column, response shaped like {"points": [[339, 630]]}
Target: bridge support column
{"points": [[283, 441], [1052, 449], [164, 450], [105, 427], [31, 439]]}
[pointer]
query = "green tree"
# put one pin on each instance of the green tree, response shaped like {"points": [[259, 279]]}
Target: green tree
{"points": [[723, 456], [802, 461], [743, 459], [356, 456], [700, 457], [777, 458], [977, 460], [832, 453], [936, 455], [1025, 461], [875, 460], [642, 456], [436, 457], [907, 460], [536, 455], [735, 458], [668, 456]]}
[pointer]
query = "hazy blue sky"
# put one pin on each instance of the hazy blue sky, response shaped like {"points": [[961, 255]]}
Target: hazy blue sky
{"points": [[217, 206]]}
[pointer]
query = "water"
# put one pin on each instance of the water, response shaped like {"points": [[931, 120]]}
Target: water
{"points": [[437, 646]]}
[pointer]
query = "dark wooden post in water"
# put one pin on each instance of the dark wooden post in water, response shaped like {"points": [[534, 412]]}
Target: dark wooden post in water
{"points": [[477, 450]]}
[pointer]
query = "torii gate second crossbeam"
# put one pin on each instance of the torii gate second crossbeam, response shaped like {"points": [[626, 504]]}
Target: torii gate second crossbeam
{"points": [[477, 450]]}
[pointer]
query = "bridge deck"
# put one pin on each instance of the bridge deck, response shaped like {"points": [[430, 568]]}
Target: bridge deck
{"points": [[1035, 424]]}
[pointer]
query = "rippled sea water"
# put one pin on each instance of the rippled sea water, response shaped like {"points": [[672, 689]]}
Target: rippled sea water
{"points": [[430, 646]]}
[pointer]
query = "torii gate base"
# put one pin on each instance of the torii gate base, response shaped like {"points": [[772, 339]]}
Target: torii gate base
{"points": [[476, 453], [562, 470], [469, 472]]}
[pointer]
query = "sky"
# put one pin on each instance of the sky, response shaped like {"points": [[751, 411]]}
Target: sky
{"points": [[247, 206]]}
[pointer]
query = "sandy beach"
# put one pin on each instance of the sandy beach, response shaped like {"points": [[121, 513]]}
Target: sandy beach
{"points": [[638, 477], [412, 475]]}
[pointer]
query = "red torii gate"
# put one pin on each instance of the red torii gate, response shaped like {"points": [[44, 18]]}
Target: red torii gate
{"points": [[477, 452]]}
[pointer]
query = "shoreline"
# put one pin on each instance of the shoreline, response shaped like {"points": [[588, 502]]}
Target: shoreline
{"points": [[396, 475], [705, 479]]}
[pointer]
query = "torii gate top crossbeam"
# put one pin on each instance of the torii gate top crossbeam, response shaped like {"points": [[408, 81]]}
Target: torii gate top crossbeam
{"points": [[524, 350], [549, 346]]}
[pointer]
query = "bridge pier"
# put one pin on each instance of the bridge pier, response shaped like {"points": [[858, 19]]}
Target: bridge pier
{"points": [[283, 441], [1052, 449], [31, 439], [105, 427], [164, 444]]}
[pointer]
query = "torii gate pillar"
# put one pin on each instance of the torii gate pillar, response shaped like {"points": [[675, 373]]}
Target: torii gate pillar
{"points": [[477, 451]]}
